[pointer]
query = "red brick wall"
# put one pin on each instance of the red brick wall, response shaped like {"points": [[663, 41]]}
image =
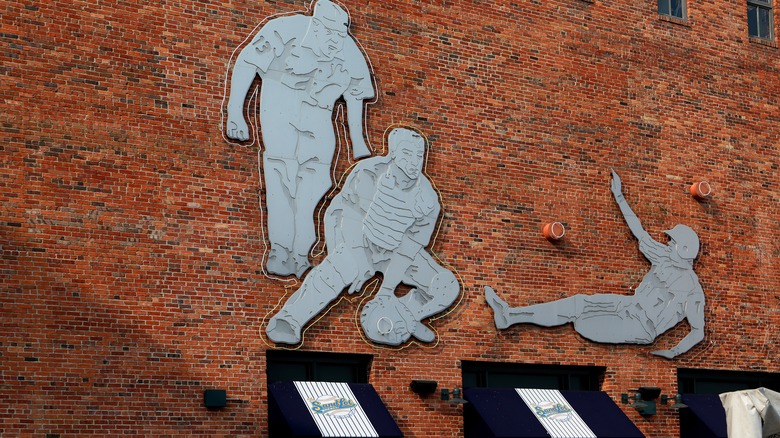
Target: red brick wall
{"points": [[131, 231]]}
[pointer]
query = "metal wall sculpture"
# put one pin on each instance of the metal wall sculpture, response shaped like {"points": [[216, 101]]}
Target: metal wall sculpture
{"points": [[380, 222], [306, 63], [667, 295]]}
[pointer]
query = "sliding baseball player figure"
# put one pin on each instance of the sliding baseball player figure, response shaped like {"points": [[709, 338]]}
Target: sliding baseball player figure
{"points": [[668, 294]]}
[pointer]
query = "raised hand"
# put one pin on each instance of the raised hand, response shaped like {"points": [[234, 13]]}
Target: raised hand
{"points": [[617, 185]]}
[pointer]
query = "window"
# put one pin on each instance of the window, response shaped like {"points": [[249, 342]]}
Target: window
{"points": [[672, 8], [760, 22], [511, 375], [695, 381], [309, 366]]}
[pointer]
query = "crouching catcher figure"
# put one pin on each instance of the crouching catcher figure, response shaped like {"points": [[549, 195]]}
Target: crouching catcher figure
{"points": [[380, 222]]}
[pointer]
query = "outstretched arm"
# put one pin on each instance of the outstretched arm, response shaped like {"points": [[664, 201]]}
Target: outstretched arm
{"points": [[633, 222], [693, 338], [694, 312]]}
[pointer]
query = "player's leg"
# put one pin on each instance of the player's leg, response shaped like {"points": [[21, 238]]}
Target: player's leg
{"points": [[436, 288], [314, 181], [387, 319], [279, 175], [546, 314], [316, 143], [323, 284], [280, 170], [615, 319]]}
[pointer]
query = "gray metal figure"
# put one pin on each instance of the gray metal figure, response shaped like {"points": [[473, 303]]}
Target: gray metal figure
{"points": [[306, 64], [381, 221], [668, 294]]}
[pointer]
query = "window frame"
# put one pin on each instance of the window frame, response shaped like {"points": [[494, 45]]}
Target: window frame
{"points": [[766, 5], [683, 10], [315, 362], [689, 378], [592, 376]]}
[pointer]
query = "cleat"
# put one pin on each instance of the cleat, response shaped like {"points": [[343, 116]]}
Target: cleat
{"points": [[277, 262], [283, 331]]}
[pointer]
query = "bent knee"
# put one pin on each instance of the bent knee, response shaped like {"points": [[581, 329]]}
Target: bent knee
{"points": [[446, 284]]}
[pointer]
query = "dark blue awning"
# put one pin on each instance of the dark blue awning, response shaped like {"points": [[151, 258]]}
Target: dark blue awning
{"points": [[501, 412], [290, 416], [703, 418]]}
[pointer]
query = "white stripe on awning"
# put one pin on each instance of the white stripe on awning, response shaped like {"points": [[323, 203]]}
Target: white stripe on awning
{"points": [[555, 413], [335, 409]]}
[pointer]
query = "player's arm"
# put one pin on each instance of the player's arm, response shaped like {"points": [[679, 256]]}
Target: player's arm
{"points": [[649, 247], [419, 234], [361, 87], [415, 239], [694, 313], [253, 59]]}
